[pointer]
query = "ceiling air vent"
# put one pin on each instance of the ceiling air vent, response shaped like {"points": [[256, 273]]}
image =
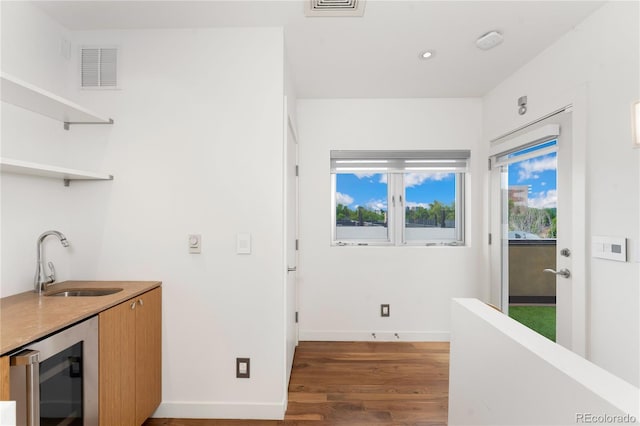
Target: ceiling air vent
{"points": [[334, 7], [99, 67]]}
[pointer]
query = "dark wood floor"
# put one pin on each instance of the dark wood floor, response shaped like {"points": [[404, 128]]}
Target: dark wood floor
{"points": [[360, 383]]}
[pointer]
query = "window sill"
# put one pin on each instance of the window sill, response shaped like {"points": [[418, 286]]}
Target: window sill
{"points": [[380, 244]]}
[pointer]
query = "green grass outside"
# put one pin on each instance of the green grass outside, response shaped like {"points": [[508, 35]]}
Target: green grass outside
{"points": [[538, 318]]}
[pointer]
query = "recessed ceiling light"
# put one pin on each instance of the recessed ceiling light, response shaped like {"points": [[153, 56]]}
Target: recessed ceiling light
{"points": [[426, 54], [489, 40]]}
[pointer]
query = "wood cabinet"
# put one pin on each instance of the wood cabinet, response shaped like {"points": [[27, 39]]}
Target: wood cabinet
{"points": [[4, 378], [148, 355], [131, 360]]}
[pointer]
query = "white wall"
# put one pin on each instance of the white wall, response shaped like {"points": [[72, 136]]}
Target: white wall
{"points": [[29, 206], [196, 148], [32, 46], [489, 386], [602, 52], [341, 288]]}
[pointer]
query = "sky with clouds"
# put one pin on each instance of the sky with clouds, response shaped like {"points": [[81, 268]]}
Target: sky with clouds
{"points": [[422, 189], [370, 190], [540, 175]]}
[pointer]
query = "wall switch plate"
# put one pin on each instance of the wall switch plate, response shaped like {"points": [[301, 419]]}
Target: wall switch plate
{"points": [[610, 248], [195, 243], [243, 243], [384, 310], [243, 368]]}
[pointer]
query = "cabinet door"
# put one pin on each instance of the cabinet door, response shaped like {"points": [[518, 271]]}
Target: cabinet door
{"points": [[148, 354], [117, 336], [4, 378]]}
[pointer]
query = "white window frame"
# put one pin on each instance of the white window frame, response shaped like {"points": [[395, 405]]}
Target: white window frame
{"points": [[396, 191]]}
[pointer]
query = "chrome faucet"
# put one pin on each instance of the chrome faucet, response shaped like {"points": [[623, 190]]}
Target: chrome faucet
{"points": [[42, 280]]}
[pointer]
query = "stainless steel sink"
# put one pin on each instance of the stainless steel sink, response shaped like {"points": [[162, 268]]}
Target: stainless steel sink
{"points": [[84, 292]]}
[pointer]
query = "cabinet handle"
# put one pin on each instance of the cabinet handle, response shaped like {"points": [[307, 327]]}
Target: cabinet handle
{"points": [[133, 305], [140, 302], [30, 360]]}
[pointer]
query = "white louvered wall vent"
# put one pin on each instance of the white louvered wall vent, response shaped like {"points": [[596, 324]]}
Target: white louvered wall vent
{"points": [[334, 7], [99, 67]]}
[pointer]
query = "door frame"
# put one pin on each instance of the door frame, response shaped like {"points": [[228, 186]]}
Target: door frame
{"points": [[289, 129], [575, 101], [294, 133]]}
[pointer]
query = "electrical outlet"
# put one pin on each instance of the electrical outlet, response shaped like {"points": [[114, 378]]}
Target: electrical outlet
{"points": [[243, 368], [384, 310]]}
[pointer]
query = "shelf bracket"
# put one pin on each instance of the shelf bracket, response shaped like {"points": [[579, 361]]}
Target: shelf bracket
{"points": [[68, 124]]}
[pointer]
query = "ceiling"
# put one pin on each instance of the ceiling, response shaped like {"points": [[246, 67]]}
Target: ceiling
{"points": [[374, 56]]}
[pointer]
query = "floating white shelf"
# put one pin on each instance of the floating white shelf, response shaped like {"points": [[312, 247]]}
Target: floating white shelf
{"points": [[44, 170], [35, 99]]}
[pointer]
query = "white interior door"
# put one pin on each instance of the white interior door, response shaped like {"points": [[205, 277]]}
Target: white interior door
{"points": [[291, 237], [504, 152]]}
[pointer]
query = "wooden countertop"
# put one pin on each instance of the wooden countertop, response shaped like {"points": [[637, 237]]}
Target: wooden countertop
{"points": [[27, 317]]}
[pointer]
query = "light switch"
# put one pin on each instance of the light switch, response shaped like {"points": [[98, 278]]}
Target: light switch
{"points": [[195, 243], [243, 243]]}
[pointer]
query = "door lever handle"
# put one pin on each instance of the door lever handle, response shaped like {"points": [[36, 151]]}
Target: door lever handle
{"points": [[292, 269], [565, 273]]}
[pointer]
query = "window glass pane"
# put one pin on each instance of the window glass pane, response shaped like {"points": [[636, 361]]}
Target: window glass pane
{"points": [[430, 207], [533, 149], [533, 198], [361, 206]]}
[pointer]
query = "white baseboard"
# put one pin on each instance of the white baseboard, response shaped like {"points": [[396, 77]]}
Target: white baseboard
{"points": [[380, 336], [221, 410]]}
